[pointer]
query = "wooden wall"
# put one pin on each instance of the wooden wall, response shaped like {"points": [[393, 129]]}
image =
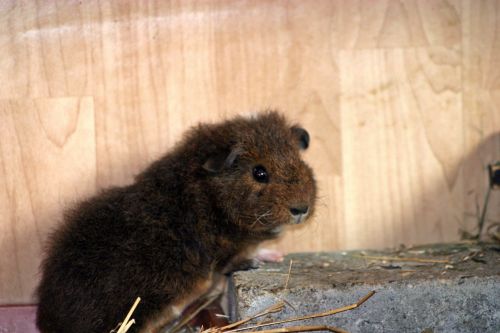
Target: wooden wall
{"points": [[402, 99]]}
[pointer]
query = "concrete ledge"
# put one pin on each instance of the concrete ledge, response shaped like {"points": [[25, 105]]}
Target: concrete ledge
{"points": [[414, 293]]}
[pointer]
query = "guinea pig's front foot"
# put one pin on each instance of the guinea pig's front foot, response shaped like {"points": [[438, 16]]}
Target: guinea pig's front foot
{"points": [[269, 255], [254, 260], [261, 256]]}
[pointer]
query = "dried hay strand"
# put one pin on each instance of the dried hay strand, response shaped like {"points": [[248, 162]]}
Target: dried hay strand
{"points": [[288, 275], [127, 322], [278, 307], [421, 260], [304, 329], [183, 321], [272, 309], [232, 328]]}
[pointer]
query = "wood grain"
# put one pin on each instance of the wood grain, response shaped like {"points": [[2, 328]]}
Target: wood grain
{"points": [[400, 170], [400, 98], [396, 24], [47, 162]]}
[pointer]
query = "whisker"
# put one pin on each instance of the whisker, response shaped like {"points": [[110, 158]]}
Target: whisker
{"points": [[258, 218]]}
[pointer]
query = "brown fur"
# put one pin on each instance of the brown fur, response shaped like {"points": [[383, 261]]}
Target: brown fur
{"points": [[185, 218]]}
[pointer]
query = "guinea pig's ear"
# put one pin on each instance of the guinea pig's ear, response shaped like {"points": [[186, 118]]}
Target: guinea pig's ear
{"points": [[301, 136], [220, 161]]}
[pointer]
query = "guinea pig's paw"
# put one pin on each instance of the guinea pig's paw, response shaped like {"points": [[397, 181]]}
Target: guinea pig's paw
{"points": [[269, 255], [252, 263], [245, 265]]}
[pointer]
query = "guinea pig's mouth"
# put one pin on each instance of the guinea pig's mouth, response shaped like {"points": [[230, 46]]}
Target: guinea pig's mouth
{"points": [[298, 218], [274, 222]]}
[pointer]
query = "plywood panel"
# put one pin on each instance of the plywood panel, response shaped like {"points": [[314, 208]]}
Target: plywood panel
{"points": [[400, 98], [47, 159]]}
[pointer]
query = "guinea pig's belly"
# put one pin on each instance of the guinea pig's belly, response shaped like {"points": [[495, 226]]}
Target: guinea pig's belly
{"points": [[213, 284]]}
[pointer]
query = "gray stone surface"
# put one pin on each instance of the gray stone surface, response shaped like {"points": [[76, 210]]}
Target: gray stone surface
{"points": [[459, 295]]}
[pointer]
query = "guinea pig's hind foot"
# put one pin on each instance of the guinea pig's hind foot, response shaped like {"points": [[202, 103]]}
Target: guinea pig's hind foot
{"points": [[247, 264]]}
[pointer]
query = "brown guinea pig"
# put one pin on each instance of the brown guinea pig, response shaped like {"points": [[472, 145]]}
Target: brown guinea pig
{"points": [[187, 218]]}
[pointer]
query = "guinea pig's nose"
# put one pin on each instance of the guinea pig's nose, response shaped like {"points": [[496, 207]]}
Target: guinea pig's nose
{"points": [[301, 210]]}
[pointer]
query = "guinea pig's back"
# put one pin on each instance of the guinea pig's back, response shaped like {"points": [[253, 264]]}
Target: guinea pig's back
{"points": [[85, 257]]}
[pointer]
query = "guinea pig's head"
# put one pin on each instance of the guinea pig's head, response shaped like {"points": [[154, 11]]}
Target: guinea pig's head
{"points": [[256, 174]]}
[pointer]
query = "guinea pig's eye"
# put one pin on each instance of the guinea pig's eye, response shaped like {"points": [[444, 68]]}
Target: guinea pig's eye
{"points": [[260, 174]]}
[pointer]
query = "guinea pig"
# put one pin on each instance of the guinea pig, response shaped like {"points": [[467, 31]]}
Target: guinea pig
{"points": [[191, 216]]}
